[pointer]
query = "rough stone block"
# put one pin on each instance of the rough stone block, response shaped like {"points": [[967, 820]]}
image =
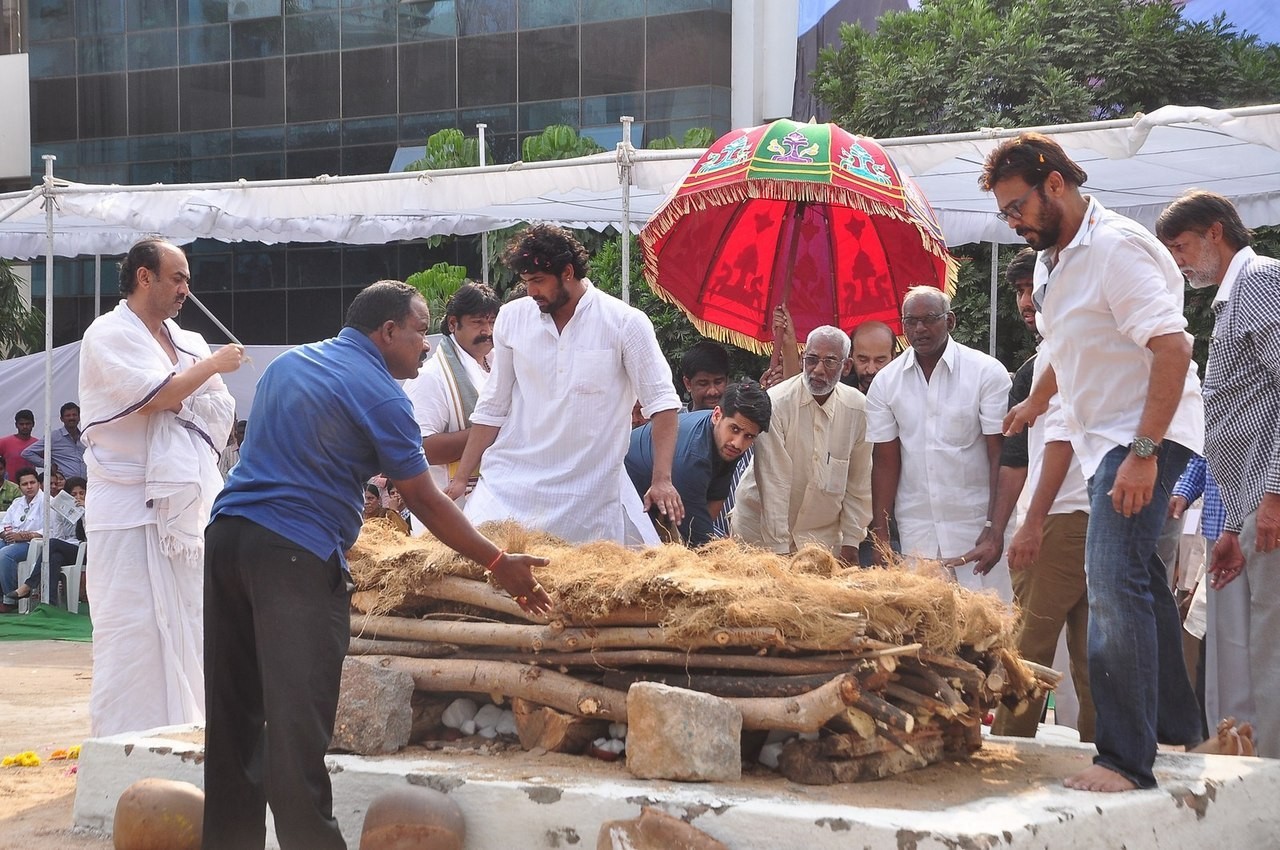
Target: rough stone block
{"points": [[653, 830], [375, 711], [684, 735]]}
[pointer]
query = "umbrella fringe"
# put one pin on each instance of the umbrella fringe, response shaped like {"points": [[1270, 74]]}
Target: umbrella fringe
{"points": [[710, 329]]}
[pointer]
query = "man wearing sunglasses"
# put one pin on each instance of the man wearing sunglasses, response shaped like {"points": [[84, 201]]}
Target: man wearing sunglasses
{"points": [[935, 415], [1110, 302]]}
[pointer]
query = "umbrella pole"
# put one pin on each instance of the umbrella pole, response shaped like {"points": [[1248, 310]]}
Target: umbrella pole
{"points": [[791, 250], [995, 280], [484, 237], [624, 177]]}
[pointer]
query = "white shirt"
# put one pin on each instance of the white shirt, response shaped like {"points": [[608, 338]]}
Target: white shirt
{"points": [[563, 400], [1112, 289], [1073, 495], [945, 482], [436, 407], [26, 516], [809, 480]]}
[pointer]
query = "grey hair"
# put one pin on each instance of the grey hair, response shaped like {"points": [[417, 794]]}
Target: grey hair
{"points": [[829, 333], [926, 291]]}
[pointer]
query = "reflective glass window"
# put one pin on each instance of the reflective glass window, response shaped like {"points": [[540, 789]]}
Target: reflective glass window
{"points": [[369, 82], [367, 131], [202, 12], [476, 17], [152, 14], [53, 110], [50, 19], [198, 45], [52, 59], [103, 102], [539, 116], [313, 314], [99, 17], [257, 92], [428, 76], [547, 13], [247, 10], [609, 10], [548, 63], [204, 99], [687, 50], [613, 57], [311, 163], [153, 101], [313, 87], [368, 27], [310, 33], [321, 134], [487, 70], [211, 169], [258, 317], [100, 55], [258, 140], [609, 109], [414, 129], [257, 39], [424, 19], [153, 49], [367, 159], [312, 267], [258, 166]]}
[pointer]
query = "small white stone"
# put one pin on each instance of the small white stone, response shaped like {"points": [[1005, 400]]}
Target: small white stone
{"points": [[458, 712], [488, 716], [468, 727], [618, 730], [507, 723], [808, 736], [777, 735], [488, 732], [769, 754]]}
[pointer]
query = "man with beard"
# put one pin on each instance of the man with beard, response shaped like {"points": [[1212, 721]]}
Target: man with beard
{"points": [[874, 346], [1110, 302], [934, 415], [1242, 406], [709, 444], [68, 451], [704, 370], [809, 480], [554, 420], [445, 392], [1046, 555]]}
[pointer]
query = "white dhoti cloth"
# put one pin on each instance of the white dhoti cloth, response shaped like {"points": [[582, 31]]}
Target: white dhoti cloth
{"points": [[148, 634]]}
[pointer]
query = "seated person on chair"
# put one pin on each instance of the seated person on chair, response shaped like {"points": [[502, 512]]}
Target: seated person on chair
{"points": [[22, 523], [64, 537]]}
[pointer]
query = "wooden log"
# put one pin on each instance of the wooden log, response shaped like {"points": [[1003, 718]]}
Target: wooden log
{"points": [[932, 683], [721, 686], [407, 648], [1021, 678], [801, 761], [538, 638], [511, 680], [889, 715], [554, 731], [926, 704], [613, 659], [1046, 675], [950, 667], [804, 713]]}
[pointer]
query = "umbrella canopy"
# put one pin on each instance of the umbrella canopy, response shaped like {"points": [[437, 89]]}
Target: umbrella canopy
{"points": [[802, 214]]}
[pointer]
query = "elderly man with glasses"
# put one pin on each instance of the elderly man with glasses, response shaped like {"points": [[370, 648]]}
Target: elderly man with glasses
{"points": [[935, 416], [809, 480]]}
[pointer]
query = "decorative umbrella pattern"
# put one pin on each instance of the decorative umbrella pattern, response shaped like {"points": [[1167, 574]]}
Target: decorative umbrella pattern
{"points": [[802, 214]]}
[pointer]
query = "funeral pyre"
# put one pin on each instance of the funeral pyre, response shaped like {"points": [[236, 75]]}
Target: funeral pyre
{"points": [[894, 668]]}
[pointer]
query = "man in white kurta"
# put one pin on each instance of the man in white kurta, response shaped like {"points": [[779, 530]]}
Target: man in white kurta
{"points": [[554, 420], [809, 481], [157, 413], [445, 393], [935, 414]]}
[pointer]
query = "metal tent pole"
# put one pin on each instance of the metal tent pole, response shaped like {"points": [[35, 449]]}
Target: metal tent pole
{"points": [[97, 285], [47, 570], [995, 280], [624, 177], [484, 237]]}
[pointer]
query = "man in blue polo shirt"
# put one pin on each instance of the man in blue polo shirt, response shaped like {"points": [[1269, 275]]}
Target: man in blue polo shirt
{"points": [[327, 416], [708, 445]]}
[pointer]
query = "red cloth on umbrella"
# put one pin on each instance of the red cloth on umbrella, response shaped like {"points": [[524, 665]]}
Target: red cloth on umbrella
{"points": [[805, 214]]}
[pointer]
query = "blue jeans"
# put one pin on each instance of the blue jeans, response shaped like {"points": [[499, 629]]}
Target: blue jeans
{"points": [[11, 555], [1139, 681]]}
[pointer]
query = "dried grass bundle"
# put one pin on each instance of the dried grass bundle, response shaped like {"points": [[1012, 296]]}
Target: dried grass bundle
{"points": [[807, 597]]}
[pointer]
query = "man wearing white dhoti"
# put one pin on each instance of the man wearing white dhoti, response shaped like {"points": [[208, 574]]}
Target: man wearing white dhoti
{"points": [[553, 422], [157, 413]]}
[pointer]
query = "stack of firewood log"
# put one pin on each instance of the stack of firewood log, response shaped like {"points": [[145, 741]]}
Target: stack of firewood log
{"points": [[882, 705]]}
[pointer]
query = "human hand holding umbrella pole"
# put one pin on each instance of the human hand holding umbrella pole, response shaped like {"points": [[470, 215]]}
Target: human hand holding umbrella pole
{"points": [[191, 296]]}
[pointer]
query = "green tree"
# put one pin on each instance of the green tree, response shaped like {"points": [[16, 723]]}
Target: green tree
{"points": [[559, 141], [960, 65], [694, 137], [437, 285], [449, 149], [21, 324]]}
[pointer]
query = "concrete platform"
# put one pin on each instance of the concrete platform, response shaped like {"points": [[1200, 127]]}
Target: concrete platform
{"points": [[1009, 796]]}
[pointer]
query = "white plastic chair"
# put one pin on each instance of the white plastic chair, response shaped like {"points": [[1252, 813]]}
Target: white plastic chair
{"points": [[73, 573], [24, 569]]}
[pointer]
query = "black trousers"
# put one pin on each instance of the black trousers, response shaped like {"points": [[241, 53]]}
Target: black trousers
{"points": [[277, 626]]}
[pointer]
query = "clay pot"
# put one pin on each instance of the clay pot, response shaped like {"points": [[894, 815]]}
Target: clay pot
{"points": [[413, 818], [159, 814]]}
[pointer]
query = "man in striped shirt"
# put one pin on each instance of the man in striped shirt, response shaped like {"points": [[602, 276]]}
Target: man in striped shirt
{"points": [[1204, 233]]}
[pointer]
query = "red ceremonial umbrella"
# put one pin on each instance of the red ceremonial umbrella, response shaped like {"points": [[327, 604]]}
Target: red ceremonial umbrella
{"points": [[806, 215]]}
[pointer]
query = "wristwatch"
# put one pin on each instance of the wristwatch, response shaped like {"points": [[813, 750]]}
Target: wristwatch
{"points": [[1143, 447]]}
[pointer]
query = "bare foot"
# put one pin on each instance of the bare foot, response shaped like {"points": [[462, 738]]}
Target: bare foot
{"points": [[1099, 778], [1233, 739]]}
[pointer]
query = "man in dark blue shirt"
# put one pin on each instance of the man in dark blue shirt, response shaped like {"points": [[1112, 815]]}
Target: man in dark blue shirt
{"points": [[708, 444], [326, 416]]}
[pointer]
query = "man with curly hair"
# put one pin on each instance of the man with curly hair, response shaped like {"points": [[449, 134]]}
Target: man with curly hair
{"points": [[553, 423]]}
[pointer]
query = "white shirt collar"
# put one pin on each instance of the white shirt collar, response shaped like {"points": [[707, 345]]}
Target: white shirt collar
{"points": [[1083, 236], [1242, 258]]}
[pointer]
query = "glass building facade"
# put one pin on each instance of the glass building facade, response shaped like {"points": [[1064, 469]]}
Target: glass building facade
{"points": [[141, 91]]}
